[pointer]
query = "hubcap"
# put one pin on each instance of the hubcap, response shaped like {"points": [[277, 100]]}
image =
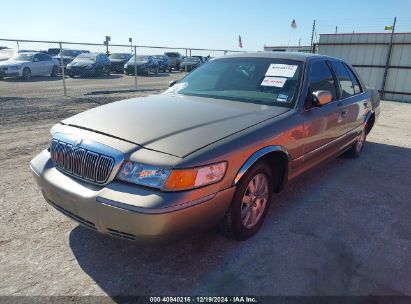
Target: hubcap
{"points": [[254, 201], [360, 142]]}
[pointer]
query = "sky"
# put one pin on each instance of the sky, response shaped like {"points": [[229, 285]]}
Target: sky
{"points": [[197, 24]]}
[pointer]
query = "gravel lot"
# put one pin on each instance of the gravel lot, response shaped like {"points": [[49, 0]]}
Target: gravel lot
{"points": [[343, 229]]}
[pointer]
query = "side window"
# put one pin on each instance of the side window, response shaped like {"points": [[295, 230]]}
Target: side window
{"points": [[347, 88], [321, 78], [354, 79], [36, 58], [44, 57]]}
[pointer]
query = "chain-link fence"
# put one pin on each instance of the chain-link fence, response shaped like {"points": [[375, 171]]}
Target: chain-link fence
{"points": [[78, 69]]}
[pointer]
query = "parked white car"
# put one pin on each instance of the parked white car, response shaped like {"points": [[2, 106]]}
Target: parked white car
{"points": [[29, 64]]}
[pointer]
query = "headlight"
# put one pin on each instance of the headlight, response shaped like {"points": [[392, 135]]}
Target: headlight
{"points": [[143, 174], [172, 180]]}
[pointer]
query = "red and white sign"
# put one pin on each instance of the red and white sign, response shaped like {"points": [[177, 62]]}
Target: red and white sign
{"points": [[273, 82]]}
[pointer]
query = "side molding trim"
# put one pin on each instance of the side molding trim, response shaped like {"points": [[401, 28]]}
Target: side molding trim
{"points": [[255, 157]]}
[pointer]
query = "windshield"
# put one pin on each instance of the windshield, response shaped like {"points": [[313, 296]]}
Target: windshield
{"points": [[192, 59], [22, 57], [70, 53], [139, 58], [119, 56], [267, 81], [86, 57]]}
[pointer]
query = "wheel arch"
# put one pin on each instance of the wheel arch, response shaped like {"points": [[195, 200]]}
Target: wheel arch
{"points": [[369, 121], [278, 158]]}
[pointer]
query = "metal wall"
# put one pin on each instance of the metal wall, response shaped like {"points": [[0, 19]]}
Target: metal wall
{"points": [[369, 54]]}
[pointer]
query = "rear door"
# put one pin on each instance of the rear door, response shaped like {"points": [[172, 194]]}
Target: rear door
{"points": [[321, 123], [351, 101], [47, 64]]}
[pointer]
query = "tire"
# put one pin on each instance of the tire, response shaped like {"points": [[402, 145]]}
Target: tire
{"points": [[170, 70], [54, 71], [238, 221], [358, 146], [26, 73], [71, 75], [156, 71]]}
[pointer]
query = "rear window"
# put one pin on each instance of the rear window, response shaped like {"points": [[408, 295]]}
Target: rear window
{"points": [[347, 88], [172, 54]]}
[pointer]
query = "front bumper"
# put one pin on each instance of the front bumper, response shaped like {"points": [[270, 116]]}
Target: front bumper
{"points": [[11, 73], [112, 209], [77, 71]]}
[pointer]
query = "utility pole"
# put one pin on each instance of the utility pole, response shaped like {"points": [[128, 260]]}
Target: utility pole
{"points": [[131, 44], [62, 69], [387, 64], [336, 29], [299, 42], [108, 38], [135, 68], [312, 37]]}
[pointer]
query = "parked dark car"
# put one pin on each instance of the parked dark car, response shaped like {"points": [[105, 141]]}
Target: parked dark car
{"points": [[118, 60], [68, 55], [89, 64], [202, 58], [191, 63], [145, 65], [53, 51], [175, 59], [212, 150], [163, 63]]}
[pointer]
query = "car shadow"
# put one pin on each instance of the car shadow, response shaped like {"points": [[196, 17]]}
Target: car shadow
{"points": [[209, 262], [32, 79], [111, 76]]}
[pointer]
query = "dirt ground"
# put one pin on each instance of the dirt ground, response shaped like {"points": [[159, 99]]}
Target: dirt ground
{"points": [[343, 229]]}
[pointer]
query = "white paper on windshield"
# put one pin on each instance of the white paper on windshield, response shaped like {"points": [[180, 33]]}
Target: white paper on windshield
{"points": [[281, 70], [273, 82]]}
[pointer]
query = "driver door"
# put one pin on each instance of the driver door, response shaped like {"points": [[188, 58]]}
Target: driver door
{"points": [[321, 123], [36, 66]]}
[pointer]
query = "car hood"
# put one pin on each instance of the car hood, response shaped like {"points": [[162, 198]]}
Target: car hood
{"points": [[64, 57], [173, 124], [82, 63], [12, 62]]}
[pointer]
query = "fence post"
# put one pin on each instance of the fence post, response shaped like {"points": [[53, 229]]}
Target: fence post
{"points": [[186, 61], [387, 63], [63, 74], [135, 68]]}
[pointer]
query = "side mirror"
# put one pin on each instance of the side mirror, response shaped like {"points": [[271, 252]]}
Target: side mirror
{"points": [[321, 98], [172, 82]]}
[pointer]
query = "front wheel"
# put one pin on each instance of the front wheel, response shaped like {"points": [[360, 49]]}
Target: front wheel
{"points": [[26, 73], [250, 203], [54, 71], [358, 146]]}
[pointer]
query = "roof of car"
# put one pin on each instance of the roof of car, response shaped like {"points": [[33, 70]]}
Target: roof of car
{"points": [[281, 55]]}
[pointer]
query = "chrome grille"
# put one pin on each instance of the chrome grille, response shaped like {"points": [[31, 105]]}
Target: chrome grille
{"points": [[80, 162]]}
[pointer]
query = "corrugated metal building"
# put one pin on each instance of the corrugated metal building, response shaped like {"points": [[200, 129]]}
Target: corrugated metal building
{"points": [[370, 54], [294, 48]]}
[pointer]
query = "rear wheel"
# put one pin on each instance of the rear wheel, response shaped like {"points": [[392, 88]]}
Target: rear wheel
{"points": [[250, 203], [358, 146], [26, 73]]}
